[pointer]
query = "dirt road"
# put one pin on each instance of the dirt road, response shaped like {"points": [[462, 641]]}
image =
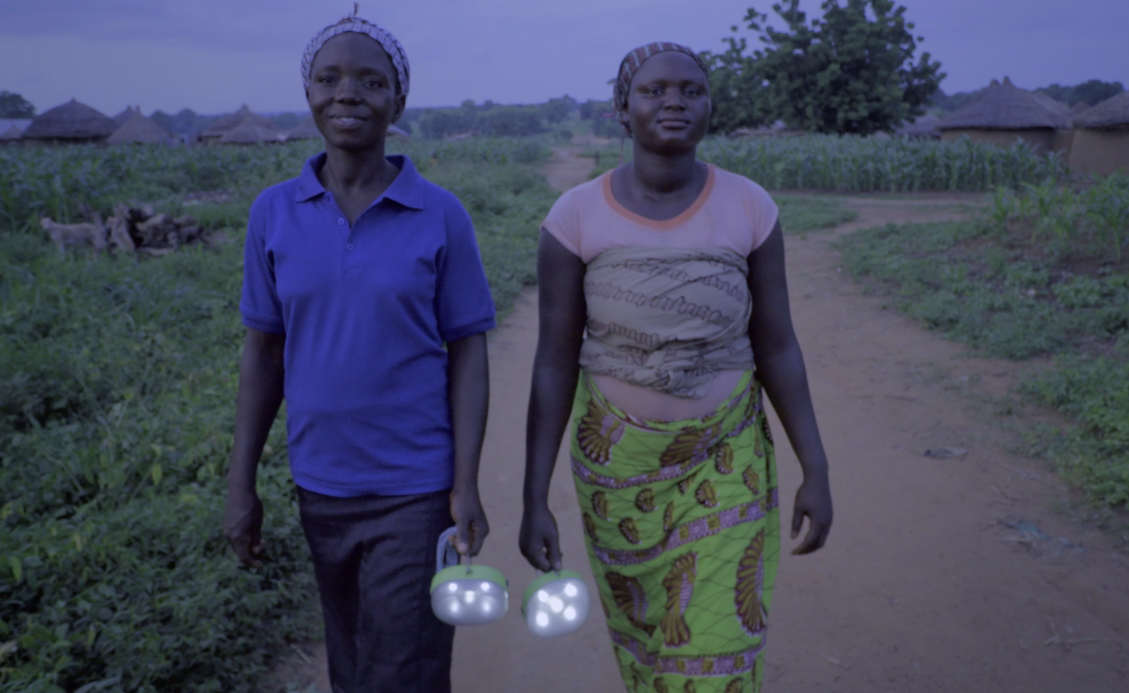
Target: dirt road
{"points": [[941, 574]]}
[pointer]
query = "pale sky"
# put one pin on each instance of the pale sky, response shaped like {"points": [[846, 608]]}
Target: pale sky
{"points": [[214, 55]]}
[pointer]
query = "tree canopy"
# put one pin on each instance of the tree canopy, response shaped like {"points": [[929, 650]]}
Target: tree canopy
{"points": [[853, 70], [15, 106]]}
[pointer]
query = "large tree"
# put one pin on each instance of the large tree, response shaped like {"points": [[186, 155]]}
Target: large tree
{"points": [[15, 106], [851, 71]]}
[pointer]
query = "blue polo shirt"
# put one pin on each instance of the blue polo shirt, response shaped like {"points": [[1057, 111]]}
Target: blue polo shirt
{"points": [[366, 310]]}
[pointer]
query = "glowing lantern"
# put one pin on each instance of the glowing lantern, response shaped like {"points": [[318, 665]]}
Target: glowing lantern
{"points": [[555, 604], [471, 595]]}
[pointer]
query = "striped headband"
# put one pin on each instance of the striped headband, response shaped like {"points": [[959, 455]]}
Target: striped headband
{"points": [[635, 60], [356, 25]]}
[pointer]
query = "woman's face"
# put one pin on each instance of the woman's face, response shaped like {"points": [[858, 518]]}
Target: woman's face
{"points": [[353, 92], [668, 106]]}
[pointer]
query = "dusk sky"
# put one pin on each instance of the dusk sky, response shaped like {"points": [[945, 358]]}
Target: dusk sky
{"points": [[213, 55]]}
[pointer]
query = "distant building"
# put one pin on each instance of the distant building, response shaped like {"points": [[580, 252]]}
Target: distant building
{"points": [[1101, 137], [1002, 114], [11, 135], [137, 129], [250, 131], [73, 122], [225, 124], [923, 127]]}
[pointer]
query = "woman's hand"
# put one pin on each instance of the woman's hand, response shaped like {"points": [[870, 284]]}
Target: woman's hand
{"points": [[470, 521], [243, 526], [539, 540], [813, 500]]}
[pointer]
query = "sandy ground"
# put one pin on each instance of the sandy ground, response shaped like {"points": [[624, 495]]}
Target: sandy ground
{"points": [[940, 575]]}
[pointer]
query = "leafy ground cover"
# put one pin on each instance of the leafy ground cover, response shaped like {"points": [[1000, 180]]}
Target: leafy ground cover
{"points": [[117, 393], [1041, 273]]}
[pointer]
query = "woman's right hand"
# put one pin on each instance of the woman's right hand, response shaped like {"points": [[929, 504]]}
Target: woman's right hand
{"points": [[243, 526], [539, 540]]}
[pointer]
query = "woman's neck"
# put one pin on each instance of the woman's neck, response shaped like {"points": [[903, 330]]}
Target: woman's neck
{"points": [[659, 175], [353, 172]]}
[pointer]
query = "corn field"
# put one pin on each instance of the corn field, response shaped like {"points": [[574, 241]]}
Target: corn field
{"points": [[855, 164], [58, 181]]}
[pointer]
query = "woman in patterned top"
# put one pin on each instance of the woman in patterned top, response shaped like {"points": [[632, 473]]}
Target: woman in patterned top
{"points": [[664, 310]]}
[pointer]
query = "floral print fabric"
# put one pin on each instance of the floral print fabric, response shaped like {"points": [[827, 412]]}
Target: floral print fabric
{"points": [[683, 535]]}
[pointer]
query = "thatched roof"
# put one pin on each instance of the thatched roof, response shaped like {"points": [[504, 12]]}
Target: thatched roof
{"points": [[224, 124], [71, 121], [249, 132], [1053, 105], [305, 130], [1111, 113], [1080, 108], [138, 128], [923, 126], [1005, 107], [124, 115], [12, 133]]}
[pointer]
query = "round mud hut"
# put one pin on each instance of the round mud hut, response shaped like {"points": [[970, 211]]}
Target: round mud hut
{"points": [[250, 132], [305, 130], [1101, 138], [1002, 114], [71, 123], [137, 129], [12, 135], [225, 124]]}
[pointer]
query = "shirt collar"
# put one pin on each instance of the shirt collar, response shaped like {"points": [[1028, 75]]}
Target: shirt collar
{"points": [[406, 190]]}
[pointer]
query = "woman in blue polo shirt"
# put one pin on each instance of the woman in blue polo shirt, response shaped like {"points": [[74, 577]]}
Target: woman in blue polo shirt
{"points": [[366, 305]]}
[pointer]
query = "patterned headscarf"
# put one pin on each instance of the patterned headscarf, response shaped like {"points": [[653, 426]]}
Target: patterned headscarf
{"points": [[355, 24], [635, 59]]}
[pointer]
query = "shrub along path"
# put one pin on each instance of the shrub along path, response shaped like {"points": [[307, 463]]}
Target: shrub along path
{"points": [[942, 573]]}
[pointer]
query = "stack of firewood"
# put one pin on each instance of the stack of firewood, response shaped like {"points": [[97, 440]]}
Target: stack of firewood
{"points": [[133, 228]]}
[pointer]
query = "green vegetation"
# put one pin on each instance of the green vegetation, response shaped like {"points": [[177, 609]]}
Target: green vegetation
{"points": [[116, 412], [57, 181], [1040, 273], [857, 164], [850, 70], [809, 213], [13, 105]]}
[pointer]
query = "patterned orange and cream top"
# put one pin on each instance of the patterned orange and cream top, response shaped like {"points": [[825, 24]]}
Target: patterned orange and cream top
{"points": [[668, 301]]}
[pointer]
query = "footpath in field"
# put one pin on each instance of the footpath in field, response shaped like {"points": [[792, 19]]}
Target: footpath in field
{"points": [[942, 573], [945, 573]]}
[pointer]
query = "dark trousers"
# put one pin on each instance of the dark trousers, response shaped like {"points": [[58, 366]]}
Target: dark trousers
{"points": [[374, 557]]}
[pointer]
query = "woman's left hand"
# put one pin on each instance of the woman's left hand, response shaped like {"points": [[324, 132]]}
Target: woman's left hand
{"points": [[470, 521], [813, 500]]}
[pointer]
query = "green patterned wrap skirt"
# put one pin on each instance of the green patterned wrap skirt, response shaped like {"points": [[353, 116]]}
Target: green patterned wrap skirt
{"points": [[683, 531]]}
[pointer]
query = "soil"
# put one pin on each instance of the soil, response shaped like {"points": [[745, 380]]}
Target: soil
{"points": [[961, 570]]}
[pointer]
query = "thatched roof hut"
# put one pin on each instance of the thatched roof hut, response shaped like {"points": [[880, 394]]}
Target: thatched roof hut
{"points": [[124, 115], [225, 124], [305, 130], [12, 134], [1002, 113], [1101, 137], [924, 127], [136, 128], [250, 132], [71, 122], [1079, 108]]}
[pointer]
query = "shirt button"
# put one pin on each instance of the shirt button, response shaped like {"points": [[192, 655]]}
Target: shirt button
{"points": [[349, 246], [341, 222]]}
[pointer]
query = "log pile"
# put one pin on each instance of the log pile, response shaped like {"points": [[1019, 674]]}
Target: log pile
{"points": [[133, 228]]}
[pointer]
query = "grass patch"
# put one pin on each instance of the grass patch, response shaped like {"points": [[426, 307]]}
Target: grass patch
{"points": [[993, 284], [810, 213]]}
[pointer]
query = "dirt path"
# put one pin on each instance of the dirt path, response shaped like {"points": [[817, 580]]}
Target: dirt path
{"points": [[941, 575]]}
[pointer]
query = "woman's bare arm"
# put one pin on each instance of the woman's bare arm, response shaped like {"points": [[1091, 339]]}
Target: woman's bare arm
{"points": [[560, 277], [780, 369]]}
